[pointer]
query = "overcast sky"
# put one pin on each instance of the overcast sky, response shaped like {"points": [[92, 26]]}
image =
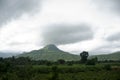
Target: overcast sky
{"points": [[72, 25]]}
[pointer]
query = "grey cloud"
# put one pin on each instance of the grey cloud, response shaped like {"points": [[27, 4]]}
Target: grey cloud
{"points": [[109, 5], [65, 34], [18, 43], [114, 37], [108, 48], [14, 8], [101, 50]]}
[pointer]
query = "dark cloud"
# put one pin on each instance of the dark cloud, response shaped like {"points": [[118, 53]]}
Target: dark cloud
{"points": [[65, 34], [12, 9], [114, 37], [109, 5]]}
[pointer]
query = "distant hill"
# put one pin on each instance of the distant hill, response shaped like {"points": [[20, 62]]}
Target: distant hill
{"points": [[112, 56], [5, 54], [50, 52]]}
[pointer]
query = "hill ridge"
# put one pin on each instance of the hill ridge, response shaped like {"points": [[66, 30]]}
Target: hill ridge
{"points": [[112, 56], [50, 52]]}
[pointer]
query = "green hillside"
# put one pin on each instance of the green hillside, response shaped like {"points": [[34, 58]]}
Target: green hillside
{"points": [[50, 52], [112, 56]]}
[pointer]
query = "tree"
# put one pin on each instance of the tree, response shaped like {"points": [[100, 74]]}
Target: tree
{"points": [[61, 61], [84, 55]]}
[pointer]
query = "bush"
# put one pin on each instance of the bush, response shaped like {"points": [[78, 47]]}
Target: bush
{"points": [[55, 73], [107, 67], [92, 61]]}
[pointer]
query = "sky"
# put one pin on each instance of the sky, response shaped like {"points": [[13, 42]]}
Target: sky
{"points": [[73, 25]]}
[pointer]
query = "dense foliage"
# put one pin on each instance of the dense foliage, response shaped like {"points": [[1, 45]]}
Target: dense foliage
{"points": [[84, 55], [25, 69]]}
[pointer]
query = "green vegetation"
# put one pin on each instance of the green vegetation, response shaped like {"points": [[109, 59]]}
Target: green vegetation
{"points": [[84, 55], [113, 56], [25, 69], [51, 63], [51, 53]]}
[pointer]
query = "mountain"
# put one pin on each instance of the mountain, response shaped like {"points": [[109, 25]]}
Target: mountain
{"points": [[111, 56], [50, 52]]}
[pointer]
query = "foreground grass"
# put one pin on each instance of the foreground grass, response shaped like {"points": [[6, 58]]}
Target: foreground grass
{"points": [[79, 72], [63, 72]]}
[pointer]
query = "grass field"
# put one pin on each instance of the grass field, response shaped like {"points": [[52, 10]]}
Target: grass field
{"points": [[25, 69], [79, 72]]}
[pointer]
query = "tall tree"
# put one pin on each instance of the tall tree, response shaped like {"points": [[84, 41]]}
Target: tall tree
{"points": [[84, 55]]}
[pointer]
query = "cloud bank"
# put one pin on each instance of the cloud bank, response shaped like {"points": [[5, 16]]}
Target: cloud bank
{"points": [[112, 6], [13, 9], [73, 25], [114, 37], [60, 34]]}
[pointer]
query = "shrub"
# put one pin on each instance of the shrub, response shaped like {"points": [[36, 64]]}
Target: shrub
{"points": [[107, 67]]}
